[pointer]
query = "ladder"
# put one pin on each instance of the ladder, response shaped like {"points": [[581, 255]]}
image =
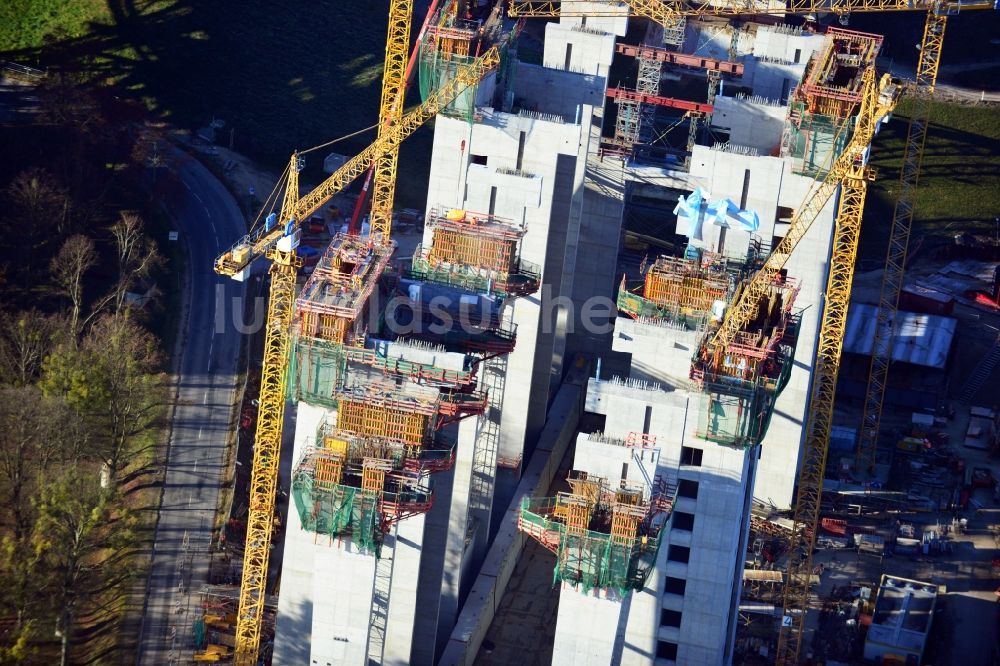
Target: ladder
{"points": [[379, 618], [981, 374]]}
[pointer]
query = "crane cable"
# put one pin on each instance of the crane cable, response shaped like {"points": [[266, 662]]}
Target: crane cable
{"points": [[269, 205], [343, 138]]}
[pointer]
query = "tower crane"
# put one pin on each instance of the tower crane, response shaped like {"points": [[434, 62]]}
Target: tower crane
{"points": [[899, 238], [277, 240], [851, 171], [851, 176]]}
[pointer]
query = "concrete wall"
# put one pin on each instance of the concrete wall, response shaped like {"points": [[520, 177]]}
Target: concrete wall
{"points": [[326, 589], [584, 45], [754, 123], [725, 477], [541, 201], [557, 92], [487, 591], [772, 185]]}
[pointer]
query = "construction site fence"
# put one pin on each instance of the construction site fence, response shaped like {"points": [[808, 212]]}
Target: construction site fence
{"points": [[590, 560]]}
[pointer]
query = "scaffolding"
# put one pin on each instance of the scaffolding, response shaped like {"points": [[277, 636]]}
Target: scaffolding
{"points": [[317, 369], [341, 492], [833, 84], [336, 296], [683, 292], [820, 109], [452, 43], [742, 381], [602, 538], [475, 252], [386, 416]]}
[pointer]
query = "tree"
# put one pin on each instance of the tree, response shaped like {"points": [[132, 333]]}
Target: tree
{"points": [[25, 340], [37, 434], [137, 255], [82, 541], [76, 256], [112, 382], [137, 259], [39, 210]]}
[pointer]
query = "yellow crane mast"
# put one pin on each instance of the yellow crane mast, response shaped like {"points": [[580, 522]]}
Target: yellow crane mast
{"points": [[899, 238], [397, 46], [277, 242], [852, 172]]}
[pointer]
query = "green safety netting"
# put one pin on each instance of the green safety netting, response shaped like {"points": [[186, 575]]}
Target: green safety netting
{"points": [[589, 560], [315, 371], [435, 69], [738, 413], [199, 634], [337, 511], [816, 139], [637, 306]]}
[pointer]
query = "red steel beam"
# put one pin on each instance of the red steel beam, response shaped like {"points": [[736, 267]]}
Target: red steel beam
{"points": [[620, 94], [674, 58]]}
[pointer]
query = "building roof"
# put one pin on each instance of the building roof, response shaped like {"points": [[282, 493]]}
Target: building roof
{"points": [[903, 612], [920, 339]]}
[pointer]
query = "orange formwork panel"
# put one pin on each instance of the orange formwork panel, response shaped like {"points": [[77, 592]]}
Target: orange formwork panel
{"points": [[470, 249], [379, 420], [680, 283]]}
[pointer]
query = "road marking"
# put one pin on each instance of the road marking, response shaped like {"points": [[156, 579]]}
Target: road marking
{"points": [[204, 400], [194, 470], [196, 196], [199, 434], [211, 346]]}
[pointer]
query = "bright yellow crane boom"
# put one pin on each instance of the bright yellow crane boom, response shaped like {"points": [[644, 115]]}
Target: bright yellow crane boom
{"points": [[277, 242], [850, 170]]}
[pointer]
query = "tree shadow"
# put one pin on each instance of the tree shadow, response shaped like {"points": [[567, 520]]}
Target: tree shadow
{"points": [[280, 77]]}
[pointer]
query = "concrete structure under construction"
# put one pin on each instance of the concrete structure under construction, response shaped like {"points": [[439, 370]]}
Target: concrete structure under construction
{"points": [[412, 429], [389, 524], [650, 539]]}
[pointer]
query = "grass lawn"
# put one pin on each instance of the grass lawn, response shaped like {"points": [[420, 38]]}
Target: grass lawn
{"points": [[960, 176], [283, 76]]}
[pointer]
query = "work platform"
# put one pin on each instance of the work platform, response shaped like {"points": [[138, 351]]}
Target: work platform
{"points": [[603, 538]]}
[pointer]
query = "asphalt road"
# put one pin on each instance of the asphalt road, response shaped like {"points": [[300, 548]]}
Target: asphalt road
{"points": [[209, 221]]}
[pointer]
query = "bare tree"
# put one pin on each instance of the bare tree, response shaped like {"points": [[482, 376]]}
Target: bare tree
{"points": [[25, 340], [38, 201], [137, 255], [137, 259], [76, 257]]}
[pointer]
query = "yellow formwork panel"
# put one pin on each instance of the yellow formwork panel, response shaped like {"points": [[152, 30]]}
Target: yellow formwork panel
{"points": [[379, 421], [336, 444], [469, 249]]}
